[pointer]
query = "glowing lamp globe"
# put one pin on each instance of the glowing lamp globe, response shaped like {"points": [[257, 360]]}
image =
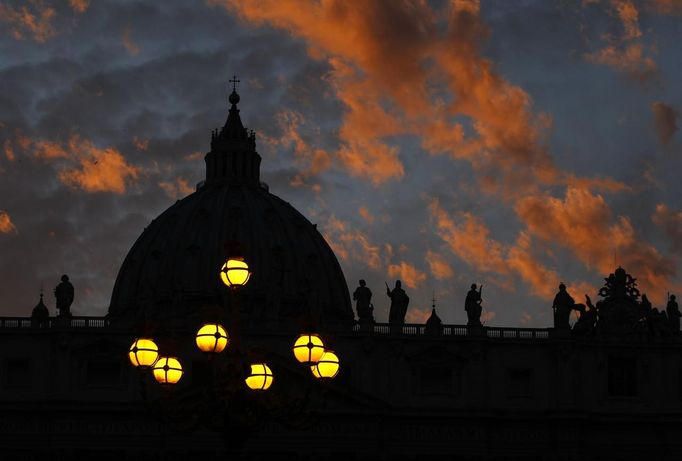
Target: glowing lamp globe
{"points": [[261, 377], [143, 353], [327, 367], [235, 272], [308, 348], [212, 338], [167, 370]]}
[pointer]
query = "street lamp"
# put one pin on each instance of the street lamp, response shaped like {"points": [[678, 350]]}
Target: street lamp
{"points": [[261, 377], [327, 367], [235, 272], [308, 348], [143, 353], [167, 370], [212, 338]]}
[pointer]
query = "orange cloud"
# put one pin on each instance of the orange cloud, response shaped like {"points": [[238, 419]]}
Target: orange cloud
{"points": [[128, 42], [666, 6], [312, 161], [542, 280], [6, 224], [393, 75], [407, 273], [671, 223], [101, 170], [9, 151], [50, 150], [417, 316], [366, 214], [665, 119], [140, 144], [582, 222], [351, 244], [470, 240], [487, 316], [176, 189], [79, 6], [626, 53], [410, 69], [33, 18], [438, 266], [97, 170]]}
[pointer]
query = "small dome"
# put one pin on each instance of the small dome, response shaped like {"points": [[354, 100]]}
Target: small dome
{"points": [[40, 311], [173, 269]]}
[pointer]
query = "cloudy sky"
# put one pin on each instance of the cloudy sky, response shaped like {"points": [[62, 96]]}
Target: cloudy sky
{"points": [[515, 144]]}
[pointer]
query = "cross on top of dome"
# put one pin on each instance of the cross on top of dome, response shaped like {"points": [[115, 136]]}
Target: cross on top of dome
{"points": [[234, 96]]}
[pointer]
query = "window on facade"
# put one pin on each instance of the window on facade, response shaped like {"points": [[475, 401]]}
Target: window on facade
{"points": [[436, 380], [520, 383], [622, 377], [103, 373], [18, 373]]}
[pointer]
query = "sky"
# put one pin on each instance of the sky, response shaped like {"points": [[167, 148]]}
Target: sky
{"points": [[515, 144]]}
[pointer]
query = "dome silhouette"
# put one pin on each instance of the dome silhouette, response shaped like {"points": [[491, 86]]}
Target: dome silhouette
{"points": [[172, 270]]}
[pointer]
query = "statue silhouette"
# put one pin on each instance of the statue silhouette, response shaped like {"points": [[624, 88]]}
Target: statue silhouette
{"points": [[399, 302], [64, 293], [674, 314], [562, 306], [472, 306], [363, 297], [587, 321]]}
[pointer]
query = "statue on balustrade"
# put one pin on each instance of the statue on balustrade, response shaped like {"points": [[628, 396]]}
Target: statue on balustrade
{"points": [[64, 293], [621, 312], [586, 323], [674, 314], [399, 302], [562, 306], [472, 306], [363, 297]]}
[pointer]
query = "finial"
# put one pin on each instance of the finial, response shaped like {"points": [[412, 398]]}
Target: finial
{"points": [[234, 97], [433, 300], [234, 82]]}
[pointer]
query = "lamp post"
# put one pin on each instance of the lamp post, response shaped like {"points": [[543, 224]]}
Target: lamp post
{"points": [[238, 380]]}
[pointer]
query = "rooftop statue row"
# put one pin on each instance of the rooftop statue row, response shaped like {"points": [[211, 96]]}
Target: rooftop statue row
{"points": [[621, 311], [400, 301]]}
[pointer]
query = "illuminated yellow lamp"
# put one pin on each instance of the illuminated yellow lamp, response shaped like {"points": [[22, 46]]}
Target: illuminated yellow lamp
{"points": [[167, 370], [212, 338], [235, 272], [261, 377], [308, 348], [143, 353], [327, 367]]}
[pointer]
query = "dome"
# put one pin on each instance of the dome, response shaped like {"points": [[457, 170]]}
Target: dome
{"points": [[172, 270]]}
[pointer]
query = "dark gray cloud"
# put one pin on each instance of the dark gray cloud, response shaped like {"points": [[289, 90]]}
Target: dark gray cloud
{"points": [[167, 89]]}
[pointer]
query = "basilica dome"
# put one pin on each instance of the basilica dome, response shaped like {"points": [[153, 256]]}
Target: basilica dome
{"points": [[173, 269]]}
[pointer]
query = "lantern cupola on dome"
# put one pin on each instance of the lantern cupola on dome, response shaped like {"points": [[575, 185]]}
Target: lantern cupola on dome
{"points": [[233, 157]]}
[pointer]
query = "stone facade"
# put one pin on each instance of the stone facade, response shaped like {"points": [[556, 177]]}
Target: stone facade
{"points": [[67, 389]]}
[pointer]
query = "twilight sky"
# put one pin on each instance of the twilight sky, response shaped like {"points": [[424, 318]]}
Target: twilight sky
{"points": [[515, 144]]}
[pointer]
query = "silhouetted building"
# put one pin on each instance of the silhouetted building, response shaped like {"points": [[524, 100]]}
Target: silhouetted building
{"points": [[611, 388]]}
